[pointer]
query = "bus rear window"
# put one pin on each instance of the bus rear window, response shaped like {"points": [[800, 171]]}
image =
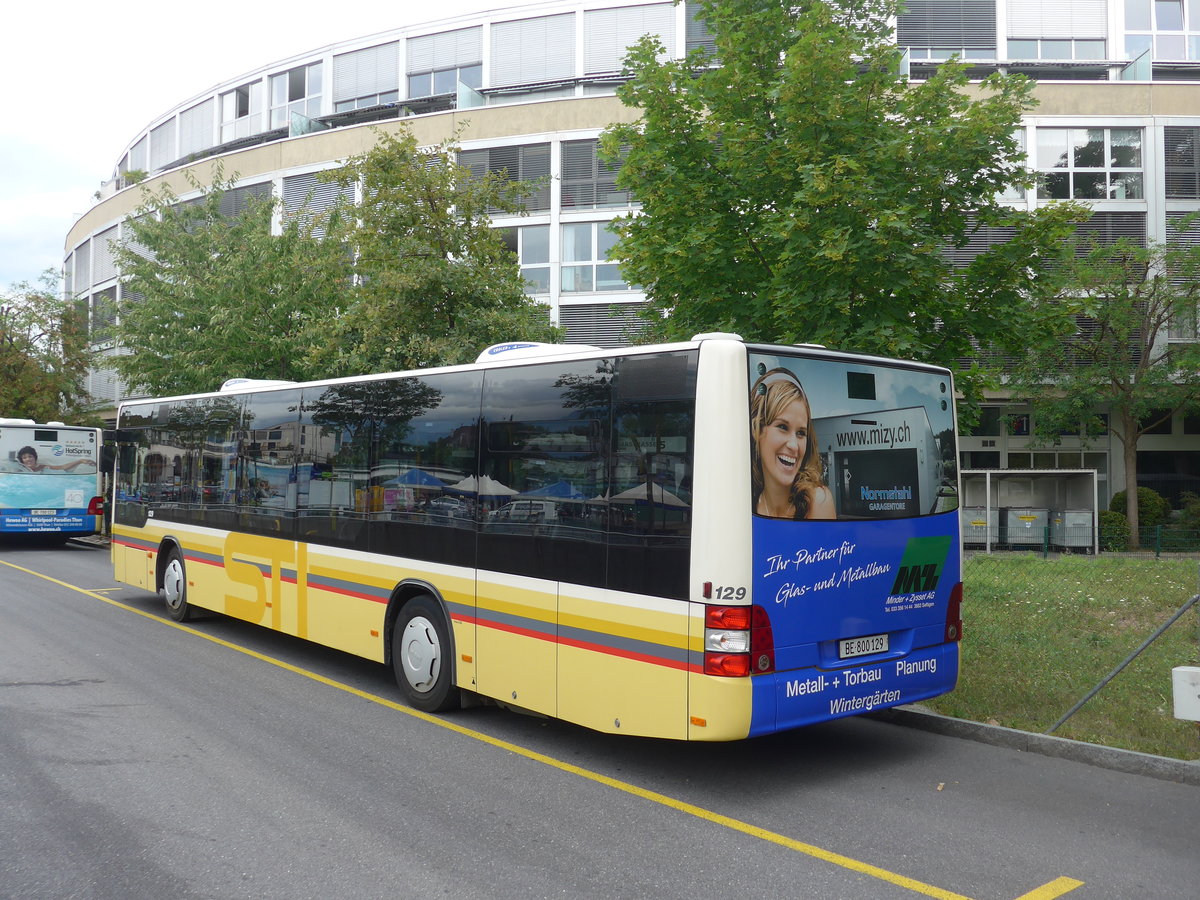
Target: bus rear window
{"points": [[833, 439]]}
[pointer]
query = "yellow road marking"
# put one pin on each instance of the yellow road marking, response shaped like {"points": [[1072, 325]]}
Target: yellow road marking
{"points": [[1049, 891], [1055, 888]]}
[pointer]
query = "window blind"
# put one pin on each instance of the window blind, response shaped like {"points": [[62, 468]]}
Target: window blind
{"points": [[445, 50], [104, 266], [601, 324], [138, 156], [162, 145], [1060, 19], [529, 51], [196, 127], [373, 70], [1108, 227], [950, 24], [608, 33], [698, 35], [306, 195], [234, 202], [1181, 147]]}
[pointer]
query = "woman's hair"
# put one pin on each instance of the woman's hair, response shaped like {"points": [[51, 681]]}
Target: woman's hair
{"points": [[770, 395]]}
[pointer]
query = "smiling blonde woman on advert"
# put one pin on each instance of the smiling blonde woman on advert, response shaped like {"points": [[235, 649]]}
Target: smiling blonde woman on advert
{"points": [[785, 470]]}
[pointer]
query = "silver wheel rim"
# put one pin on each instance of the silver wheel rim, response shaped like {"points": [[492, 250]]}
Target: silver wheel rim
{"points": [[173, 585], [420, 654]]}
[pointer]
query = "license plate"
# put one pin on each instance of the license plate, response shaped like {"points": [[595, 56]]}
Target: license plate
{"points": [[43, 512], [862, 646]]}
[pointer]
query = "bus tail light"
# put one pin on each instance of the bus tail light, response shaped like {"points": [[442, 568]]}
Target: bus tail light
{"points": [[738, 641], [96, 507], [954, 615]]}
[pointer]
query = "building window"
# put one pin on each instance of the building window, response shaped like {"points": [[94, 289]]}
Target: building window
{"points": [[1103, 229], [981, 459], [241, 111], [607, 33], [1016, 192], [587, 181], [1055, 48], [531, 245], [941, 54], [585, 259], [939, 29], [437, 63], [1185, 325], [366, 78], [444, 81], [531, 51], [697, 34], [1157, 421], [381, 99], [528, 163], [104, 314], [989, 424], [297, 90], [1170, 28], [1181, 147], [1089, 163]]}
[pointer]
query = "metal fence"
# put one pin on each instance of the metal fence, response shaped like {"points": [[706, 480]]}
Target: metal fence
{"points": [[1047, 538]]}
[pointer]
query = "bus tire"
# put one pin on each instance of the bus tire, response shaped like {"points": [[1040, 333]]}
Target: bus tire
{"points": [[421, 656], [174, 587]]}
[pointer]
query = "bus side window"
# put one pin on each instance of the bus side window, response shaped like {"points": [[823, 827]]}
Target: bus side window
{"points": [[130, 508], [426, 442], [133, 440], [544, 454], [331, 475], [266, 478], [218, 458], [650, 504]]}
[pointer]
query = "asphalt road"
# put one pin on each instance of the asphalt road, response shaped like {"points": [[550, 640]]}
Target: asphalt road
{"points": [[140, 758]]}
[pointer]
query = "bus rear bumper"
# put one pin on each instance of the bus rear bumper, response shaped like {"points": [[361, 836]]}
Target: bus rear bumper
{"points": [[784, 700]]}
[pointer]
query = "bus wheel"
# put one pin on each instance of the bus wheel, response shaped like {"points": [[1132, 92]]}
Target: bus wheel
{"points": [[420, 656], [175, 587]]}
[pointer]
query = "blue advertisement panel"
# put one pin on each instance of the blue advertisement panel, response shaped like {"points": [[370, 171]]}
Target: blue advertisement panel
{"points": [[855, 535], [70, 521], [48, 477]]}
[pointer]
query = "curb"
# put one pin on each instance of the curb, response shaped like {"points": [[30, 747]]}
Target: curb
{"points": [[1128, 761]]}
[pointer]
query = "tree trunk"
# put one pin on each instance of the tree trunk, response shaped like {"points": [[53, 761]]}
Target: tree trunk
{"points": [[1129, 443]]}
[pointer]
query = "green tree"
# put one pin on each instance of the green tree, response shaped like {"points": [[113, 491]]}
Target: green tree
{"points": [[44, 354], [434, 282], [805, 191], [1124, 299], [210, 292]]}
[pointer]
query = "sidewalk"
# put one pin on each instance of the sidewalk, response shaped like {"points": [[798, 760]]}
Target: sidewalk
{"points": [[1129, 761]]}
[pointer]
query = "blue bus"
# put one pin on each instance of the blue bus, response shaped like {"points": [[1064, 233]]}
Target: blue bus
{"points": [[51, 482]]}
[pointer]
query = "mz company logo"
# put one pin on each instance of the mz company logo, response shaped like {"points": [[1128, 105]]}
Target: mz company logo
{"points": [[921, 565]]}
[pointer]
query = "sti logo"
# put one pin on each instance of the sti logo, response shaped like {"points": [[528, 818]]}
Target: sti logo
{"points": [[921, 565]]}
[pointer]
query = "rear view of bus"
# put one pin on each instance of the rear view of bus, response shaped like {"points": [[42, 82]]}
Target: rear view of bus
{"points": [[854, 577], [50, 479]]}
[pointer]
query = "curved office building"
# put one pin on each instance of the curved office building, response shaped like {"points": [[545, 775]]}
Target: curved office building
{"points": [[1118, 124]]}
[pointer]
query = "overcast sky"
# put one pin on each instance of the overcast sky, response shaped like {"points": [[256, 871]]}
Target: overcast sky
{"points": [[80, 79]]}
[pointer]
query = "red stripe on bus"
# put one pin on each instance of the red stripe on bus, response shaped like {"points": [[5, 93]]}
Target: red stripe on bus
{"points": [[627, 654], [594, 648]]}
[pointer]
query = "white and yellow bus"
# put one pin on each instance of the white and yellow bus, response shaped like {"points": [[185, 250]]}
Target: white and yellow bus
{"points": [[706, 540]]}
